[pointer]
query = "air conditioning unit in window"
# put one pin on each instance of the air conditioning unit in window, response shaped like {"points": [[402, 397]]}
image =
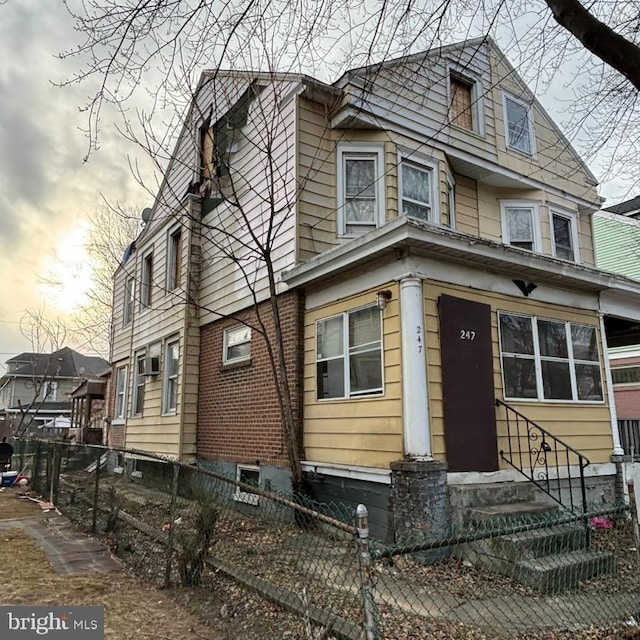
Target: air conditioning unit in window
{"points": [[149, 366]]}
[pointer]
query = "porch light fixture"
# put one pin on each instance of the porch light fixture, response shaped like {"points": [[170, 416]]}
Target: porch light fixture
{"points": [[382, 297]]}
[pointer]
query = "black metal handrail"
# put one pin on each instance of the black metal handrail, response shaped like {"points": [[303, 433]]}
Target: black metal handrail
{"points": [[533, 451]]}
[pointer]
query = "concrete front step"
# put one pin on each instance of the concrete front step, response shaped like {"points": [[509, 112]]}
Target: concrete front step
{"points": [[511, 511], [564, 571], [542, 542]]}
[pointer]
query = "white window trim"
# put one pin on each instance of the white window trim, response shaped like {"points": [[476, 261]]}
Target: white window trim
{"points": [[172, 258], [146, 293], [451, 199], [166, 377], [532, 130], [535, 221], [243, 496], [431, 166], [538, 362], [119, 418], [136, 377], [572, 216], [365, 149], [345, 356], [52, 386], [225, 345], [477, 98]]}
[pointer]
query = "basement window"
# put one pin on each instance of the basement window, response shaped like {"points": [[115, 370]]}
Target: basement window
{"points": [[248, 475]]}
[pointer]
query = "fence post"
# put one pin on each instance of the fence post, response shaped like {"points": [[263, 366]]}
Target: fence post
{"points": [[36, 469], [366, 567], [52, 475], [172, 517], [96, 488]]}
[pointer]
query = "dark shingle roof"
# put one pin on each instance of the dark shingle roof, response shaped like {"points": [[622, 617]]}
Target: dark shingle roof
{"points": [[64, 363], [625, 208]]}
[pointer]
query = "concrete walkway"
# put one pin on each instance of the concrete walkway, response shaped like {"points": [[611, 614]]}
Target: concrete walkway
{"points": [[69, 551]]}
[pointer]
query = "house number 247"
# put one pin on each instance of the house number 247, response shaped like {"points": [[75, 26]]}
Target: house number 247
{"points": [[466, 334]]}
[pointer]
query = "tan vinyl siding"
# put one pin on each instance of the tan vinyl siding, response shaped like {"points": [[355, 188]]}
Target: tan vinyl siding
{"points": [[363, 431], [585, 426]]}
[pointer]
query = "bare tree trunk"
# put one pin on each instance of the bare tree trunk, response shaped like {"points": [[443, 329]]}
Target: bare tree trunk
{"points": [[613, 49]]}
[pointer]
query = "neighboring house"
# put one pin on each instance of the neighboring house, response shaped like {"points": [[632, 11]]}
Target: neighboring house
{"points": [[434, 255], [616, 232], [35, 388]]}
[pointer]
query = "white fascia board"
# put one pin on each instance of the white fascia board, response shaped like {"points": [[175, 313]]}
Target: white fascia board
{"points": [[366, 474], [401, 232]]}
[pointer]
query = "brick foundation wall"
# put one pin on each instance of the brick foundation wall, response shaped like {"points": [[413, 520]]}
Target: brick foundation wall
{"points": [[238, 410], [627, 402]]}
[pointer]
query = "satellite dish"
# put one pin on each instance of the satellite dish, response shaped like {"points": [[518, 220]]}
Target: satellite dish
{"points": [[146, 214]]}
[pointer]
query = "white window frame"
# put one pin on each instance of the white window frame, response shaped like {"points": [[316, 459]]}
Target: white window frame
{"points": [[451, 199], [427, 166], [624, 384], [345, 357], [225, 348], [120, 410], [173, 258], [244, 496], [146, 280], [572, 217], [129, 300], [50, 390], [538, 358], [169, 378], [375, 152], [505, 205], [531, 124], [138, 381], [477, 98]]}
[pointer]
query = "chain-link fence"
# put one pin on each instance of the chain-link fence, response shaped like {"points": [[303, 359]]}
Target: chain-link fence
{"points": [[198, 532]]}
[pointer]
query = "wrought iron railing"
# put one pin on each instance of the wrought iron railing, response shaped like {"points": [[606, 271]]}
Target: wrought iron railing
{"points": [[550, 463], [630, 437]]}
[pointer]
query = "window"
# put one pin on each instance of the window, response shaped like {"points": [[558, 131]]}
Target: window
{"points": [[521, 224], [174, 260], [451, 200], [237, 344], [518, 122], [129, 292], [349, 354], [549, 359], [121, 393], [626, 375], [207, 166], [250, 476], [417, 191], [147, 281], [360, 189], [564, 235], [461, 101], [49, 391], [139, 379], [171, 363]]}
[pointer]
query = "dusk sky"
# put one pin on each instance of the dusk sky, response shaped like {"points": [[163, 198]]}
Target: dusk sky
{"points": [[47, 192]]}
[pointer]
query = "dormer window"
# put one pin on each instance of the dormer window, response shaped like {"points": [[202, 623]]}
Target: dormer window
{"points": [[518, 123]]}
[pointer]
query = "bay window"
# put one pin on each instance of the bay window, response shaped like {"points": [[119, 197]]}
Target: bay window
{"points": [[545, 359], [349, 354]]}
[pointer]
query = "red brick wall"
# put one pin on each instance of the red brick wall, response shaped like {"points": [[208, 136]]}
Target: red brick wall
{"points": [[238, 411]]}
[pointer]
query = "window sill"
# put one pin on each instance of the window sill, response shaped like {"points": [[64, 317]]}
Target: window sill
{"points": [[172, 412], [240, 364], [472, 132], [116, 422], [524, 154], [535, 402], [368, 396]]}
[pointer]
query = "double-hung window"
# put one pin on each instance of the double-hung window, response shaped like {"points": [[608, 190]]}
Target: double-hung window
{"points": [[138, 387], [417, 193], [360, 189], [147, 281], [349, 354], [171, 364], [546, 359], [564, 235], [174, 260], [518, 123], [237, 344], [121, 393], [521, 224], [129, 293]]}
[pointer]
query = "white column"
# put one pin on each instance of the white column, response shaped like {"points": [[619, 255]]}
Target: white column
{"points": [[415, 406], [615, 432]]}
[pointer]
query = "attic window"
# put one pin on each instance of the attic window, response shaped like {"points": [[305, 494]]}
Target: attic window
{"points": [[461, 109]]}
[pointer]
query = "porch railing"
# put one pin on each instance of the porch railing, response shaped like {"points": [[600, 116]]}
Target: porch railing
{"points": [[548, 462], [630, 437]]}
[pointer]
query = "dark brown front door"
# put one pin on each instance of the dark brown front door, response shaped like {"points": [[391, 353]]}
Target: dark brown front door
{"points": [[467, 385]]}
